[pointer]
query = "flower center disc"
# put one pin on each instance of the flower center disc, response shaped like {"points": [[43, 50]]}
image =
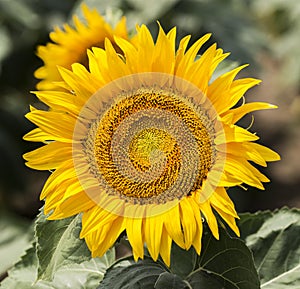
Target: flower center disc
{"points": [[144, 142]]}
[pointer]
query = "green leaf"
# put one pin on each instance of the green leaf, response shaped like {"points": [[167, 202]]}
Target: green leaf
{"points": [[225, 263], [250, 223], [62, 252], [133, 275], [228, 261], [58, 244], [74, 276], [14, 239], [23, 274], [86, 275], [65, 259], [145, 274], [182, 262], [204, 279], [168, 280], [275, 243]]}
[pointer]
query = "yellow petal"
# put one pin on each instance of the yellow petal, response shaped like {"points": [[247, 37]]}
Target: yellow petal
{"points": [[238, 89], [267, 154], [218, 91], [57, 196], [188, 222], [172, 224], [58, 100], [242, 170], [111, 235], [130, 52], [48, 157], [79, 203], [188, 58], [117, 67], [82, 90], [164, 53], [237, 113], [199, 226], [91, 83], [145, 50], [199, 72], [95, 219], [38, 135], [235, 133], [64, 172], [58, 124], [229, 219], [181, 49], [153, 224], [165, 247], [210, 218], [94, 66], [221, 200], [135, 236], [245, 150], [229, 180], [121, 29]]}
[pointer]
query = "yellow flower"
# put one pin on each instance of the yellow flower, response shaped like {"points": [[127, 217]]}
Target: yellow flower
{"points": [[144, 142], [70, 45]]}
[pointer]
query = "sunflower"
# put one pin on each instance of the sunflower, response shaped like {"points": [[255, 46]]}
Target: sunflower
{"points": [[143, 142], [70, 44]]}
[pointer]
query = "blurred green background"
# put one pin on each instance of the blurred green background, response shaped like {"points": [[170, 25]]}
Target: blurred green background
{"points": [[264, 34]]}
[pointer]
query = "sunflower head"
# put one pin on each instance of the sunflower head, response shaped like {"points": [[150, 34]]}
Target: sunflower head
{"points": [[149, 140], [70, 44], [145, 143]]}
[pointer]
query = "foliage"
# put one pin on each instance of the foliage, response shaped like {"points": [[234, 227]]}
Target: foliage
{"points": [[274, 241], [226, 263], [59, 259], [14, 238]]}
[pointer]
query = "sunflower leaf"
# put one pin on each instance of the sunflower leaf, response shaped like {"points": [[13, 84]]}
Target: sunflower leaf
{"points": [[58, 259], [72, 276], [203, 279], [134, 275], [275, 243], [250, 223], [61, 252], [182, 262], [14, 238], [224, 263], [58, 243], [23, 274], [87, 275], [168, 280]]}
